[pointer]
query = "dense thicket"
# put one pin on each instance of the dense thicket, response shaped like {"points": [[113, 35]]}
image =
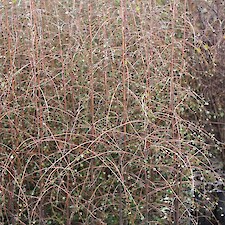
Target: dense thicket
{"points": [[110, 110]]}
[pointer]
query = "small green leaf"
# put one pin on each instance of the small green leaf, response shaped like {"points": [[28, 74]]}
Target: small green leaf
{"points": [[198, 50], [206, 47], [137, 9]]}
